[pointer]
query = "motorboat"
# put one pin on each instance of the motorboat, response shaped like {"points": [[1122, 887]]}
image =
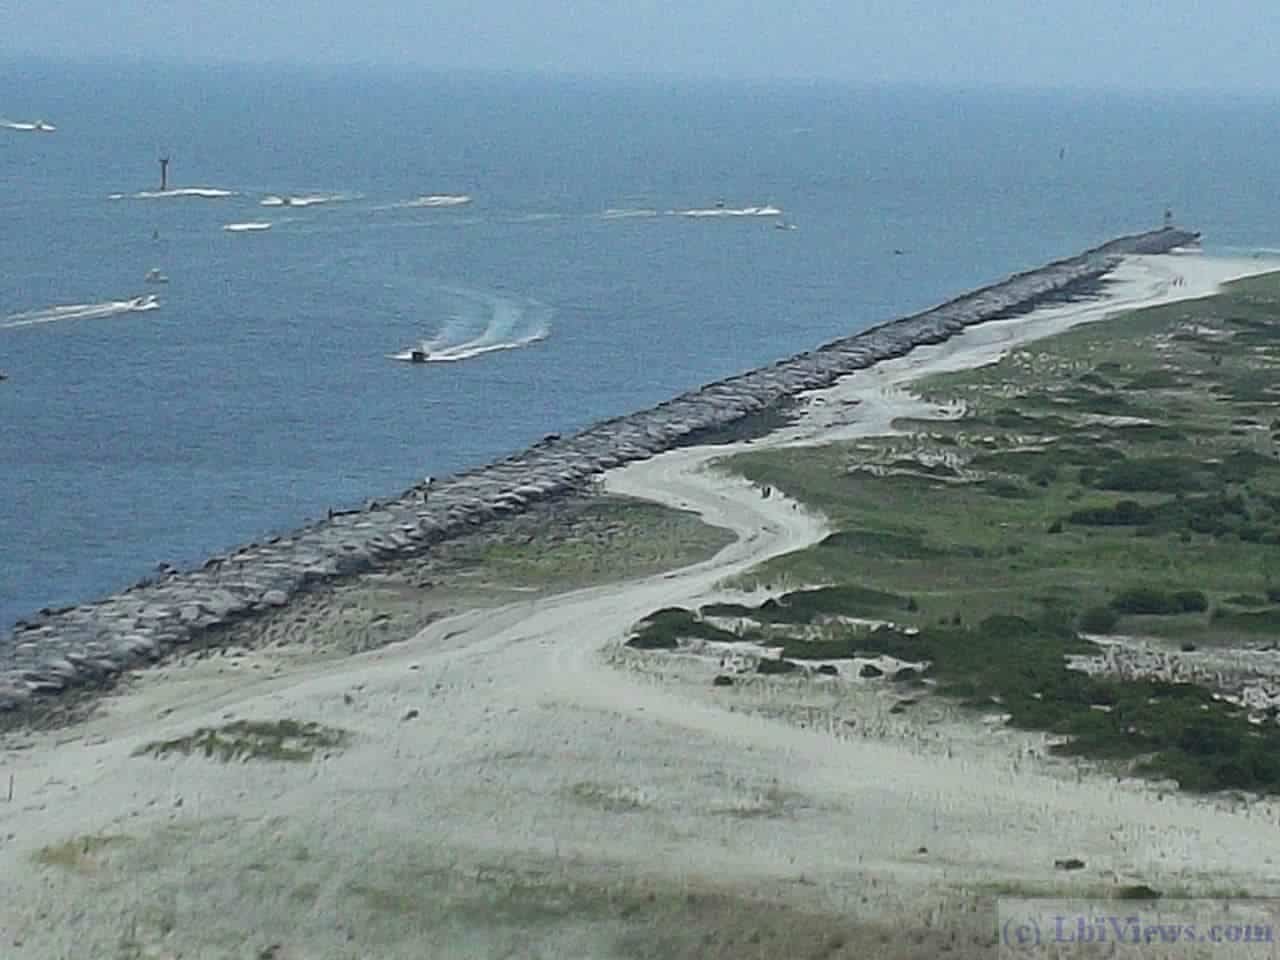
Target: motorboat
{"points": [[418, 354], [155, 276]]}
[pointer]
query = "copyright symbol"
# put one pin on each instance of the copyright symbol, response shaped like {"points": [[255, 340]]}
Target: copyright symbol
{"points": [[1023, 934]]}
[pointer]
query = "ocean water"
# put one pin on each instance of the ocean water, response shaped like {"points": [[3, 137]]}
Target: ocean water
{"points": [[570, 284]]}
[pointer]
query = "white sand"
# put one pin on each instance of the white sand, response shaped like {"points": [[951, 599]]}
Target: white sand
{"points": [[520, 719]]}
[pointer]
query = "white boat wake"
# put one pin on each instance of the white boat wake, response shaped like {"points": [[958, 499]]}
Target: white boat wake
{"points": [[440, 200], [81, 311], [624, 213], [765, 211], [37, 126], [254, 226], [627, 213], [487, 323], [206, 193], [306, 200]]}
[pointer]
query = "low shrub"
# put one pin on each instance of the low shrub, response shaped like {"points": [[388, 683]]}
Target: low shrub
{"points": [[1154, 474], [1152, 601], [1098, 620], [1125, 513], [664, 629]]}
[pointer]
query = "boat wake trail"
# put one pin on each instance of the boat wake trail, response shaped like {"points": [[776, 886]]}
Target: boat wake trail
{"points": [[718, 211], [81, 311], [440, 200], [626, 213], [206, 193], [765, 211], [305, 200], [483, 323], [38, 126]]}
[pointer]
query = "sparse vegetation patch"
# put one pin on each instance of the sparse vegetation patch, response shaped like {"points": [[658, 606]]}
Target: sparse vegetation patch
{"points": [[289, 741]]}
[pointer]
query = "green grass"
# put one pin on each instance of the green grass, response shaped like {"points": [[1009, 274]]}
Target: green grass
{"points": [[1074, 519], [288, 741], [599, 540]]}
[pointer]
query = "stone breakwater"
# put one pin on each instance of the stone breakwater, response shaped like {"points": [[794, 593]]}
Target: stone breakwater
{"points": [[90, 643]]}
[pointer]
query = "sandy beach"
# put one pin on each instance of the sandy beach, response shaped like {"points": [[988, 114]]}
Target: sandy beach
{"points": [[510, 790]]}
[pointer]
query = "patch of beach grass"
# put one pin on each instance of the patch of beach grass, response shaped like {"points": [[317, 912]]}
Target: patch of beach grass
{"points": [[613, 798], [608, 538], [1116, 491], [81, 854], [281, 741]]}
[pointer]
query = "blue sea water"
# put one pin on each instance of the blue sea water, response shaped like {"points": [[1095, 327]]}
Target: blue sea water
{"points": [[260, 392]]}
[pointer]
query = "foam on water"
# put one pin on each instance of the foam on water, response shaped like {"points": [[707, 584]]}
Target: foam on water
{"points": [[81, 311], [486, 323]]}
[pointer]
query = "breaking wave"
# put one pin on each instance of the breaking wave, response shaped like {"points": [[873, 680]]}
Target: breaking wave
{"points": [[81, 311], [484, 323], [253, 226]]}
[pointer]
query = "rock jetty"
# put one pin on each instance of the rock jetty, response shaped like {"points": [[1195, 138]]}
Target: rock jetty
{"points": [[88, 644]]}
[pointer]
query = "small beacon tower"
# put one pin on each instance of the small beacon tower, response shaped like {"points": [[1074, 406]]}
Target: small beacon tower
{"points": [[164, 174]]}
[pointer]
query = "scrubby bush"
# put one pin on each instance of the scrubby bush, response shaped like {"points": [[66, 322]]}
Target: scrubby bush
{"points": [[1192, 601], [1098, 620], [1044, 474], [1156, 474], [846, 600], [771, 667], [1003, 487], [1152, 601], [1125, 513], [665, 628]]}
